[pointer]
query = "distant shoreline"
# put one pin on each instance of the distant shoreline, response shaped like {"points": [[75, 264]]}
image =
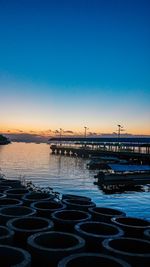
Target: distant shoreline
{"points": [[35, 138], [4, 140]]}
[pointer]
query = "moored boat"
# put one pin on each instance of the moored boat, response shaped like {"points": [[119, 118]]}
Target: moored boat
{"points": [[125, 174], [97, 163]]}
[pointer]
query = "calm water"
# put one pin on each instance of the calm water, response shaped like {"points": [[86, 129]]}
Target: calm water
{"points": [[67, 175]]}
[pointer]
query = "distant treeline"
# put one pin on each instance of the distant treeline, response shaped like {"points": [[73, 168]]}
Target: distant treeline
{"points": [[4, 140]]}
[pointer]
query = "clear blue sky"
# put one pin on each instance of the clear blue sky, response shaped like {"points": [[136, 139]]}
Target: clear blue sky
{"points": [[75, 62]]}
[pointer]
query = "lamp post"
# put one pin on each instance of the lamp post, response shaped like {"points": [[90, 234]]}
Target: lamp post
{"points": [[61, 130], [85, 132], [120, 128], [85, 129]]}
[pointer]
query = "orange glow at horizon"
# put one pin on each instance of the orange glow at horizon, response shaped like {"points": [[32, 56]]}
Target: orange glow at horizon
{"points": [[75, 131], [39, 109]]}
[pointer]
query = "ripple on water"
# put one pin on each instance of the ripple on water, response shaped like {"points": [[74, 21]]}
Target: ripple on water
{"points": [[67, 175]]}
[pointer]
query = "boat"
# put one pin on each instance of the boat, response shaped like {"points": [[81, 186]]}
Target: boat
{"points": [[99, 163], [120, 174]]}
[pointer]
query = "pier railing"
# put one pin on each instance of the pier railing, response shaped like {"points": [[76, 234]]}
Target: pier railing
{"points": [[128, 149]]}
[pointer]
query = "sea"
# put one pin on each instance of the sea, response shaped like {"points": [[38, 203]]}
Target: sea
{"points": [[65, 174]]}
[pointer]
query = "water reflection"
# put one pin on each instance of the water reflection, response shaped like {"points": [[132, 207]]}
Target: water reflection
{"points": [[114, 189], [68, 175]]}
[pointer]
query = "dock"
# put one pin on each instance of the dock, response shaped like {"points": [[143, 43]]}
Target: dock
{"points": [[135, 149]]}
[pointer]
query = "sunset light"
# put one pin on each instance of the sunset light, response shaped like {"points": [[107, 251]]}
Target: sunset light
{"points": [[64, 69], [74, 133]]}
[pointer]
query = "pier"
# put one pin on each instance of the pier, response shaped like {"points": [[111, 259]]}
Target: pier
{"points": [[137, 149]]}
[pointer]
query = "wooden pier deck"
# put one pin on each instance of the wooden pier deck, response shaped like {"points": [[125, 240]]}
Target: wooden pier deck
{"points": [[127, 148]]}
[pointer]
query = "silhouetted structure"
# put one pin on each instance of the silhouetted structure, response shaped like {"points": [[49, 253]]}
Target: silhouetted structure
{"points": [[137, 149], [4, 140]]}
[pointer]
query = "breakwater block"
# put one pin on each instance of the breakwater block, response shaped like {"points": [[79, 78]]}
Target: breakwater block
{"points": [[50, 247]]}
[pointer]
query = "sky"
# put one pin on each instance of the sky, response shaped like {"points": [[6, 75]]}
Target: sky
{"points": [[74, 63]]}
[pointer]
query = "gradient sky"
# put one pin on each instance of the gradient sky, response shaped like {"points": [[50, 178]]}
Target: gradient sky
{"points": [[71, 63]]}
